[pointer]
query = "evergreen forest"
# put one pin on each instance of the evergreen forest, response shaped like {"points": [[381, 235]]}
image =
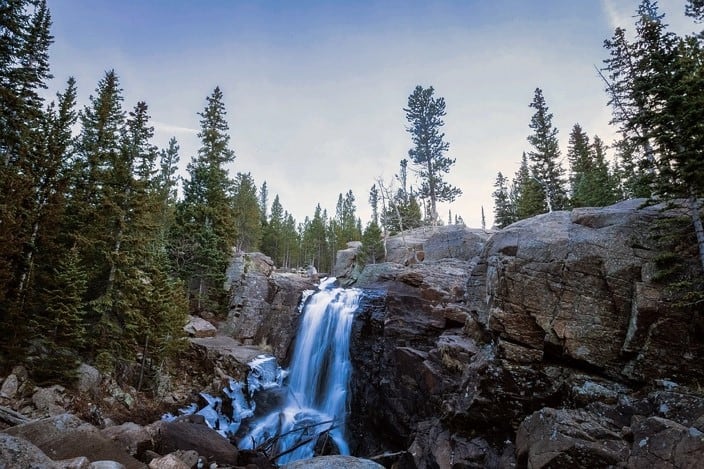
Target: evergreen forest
{"points": [[105, 247]]}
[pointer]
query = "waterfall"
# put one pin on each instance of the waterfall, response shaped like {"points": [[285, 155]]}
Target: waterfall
{"points": [[318, 379]]}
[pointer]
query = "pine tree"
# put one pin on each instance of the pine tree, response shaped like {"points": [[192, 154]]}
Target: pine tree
{"points": [[272, 244], [91, 211], [545, 158], [315, 245], [603, 180], [579, 156], [655, 90], [24, 70], [346, 219], [47, 242], [166, 187], [206, 217], [290, 242], [374, 203], [425, 115], [248, 214], [504, 213], [264, 202], [60, 331], [527, 196], [372, 249]]}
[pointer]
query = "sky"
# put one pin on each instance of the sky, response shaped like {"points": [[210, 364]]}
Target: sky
{"points": [[315, 90]]}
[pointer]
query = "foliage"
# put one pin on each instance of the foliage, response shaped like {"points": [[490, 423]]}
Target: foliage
{"points": [[591, 183], [372, 250], [247, 213], [545, 166], [425, 115], [655, 87], [504, 212], [206, 216]]}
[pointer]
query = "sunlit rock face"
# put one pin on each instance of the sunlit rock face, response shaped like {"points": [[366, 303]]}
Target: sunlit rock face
{"points": [[578, 287], [558, 311]]}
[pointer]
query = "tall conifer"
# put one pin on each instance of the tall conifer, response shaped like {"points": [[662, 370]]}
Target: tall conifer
{"points": [[545, 164], [206, 215]]}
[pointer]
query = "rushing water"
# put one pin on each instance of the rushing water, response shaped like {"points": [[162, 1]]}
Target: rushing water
{"points": [[316, 399]]}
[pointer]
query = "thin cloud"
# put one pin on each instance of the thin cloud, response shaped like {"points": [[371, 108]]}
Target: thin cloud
{"points": [[173, 129], [618, 12]]}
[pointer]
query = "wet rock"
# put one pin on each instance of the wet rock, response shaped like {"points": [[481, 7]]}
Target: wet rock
{"points": [[408, 350], [435, 446], [683, 407], [659, 442]]}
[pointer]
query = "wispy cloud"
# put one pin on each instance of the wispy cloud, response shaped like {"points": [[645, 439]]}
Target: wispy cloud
{"points": [[172, 129], [618, 12]]}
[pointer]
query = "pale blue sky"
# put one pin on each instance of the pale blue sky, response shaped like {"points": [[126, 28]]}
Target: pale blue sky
{"points": [[315, 89]]}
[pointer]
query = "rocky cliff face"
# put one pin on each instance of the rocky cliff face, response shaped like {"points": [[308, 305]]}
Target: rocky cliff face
{"points": [[550, 334], [263, 306]]}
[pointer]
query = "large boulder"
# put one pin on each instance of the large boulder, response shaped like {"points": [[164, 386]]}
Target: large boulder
{"points": [[429, 243], [66, 436], [199, 327], [333, 462], [346, 267], [578, 287], [570, 438], [263, 307], [18, 452], [134, 438], [187, 436]]}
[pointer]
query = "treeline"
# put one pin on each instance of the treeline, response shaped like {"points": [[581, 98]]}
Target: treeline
{"points": [[542, 184], [86, 220], [101, 260], [105, 249], [655, 86]]}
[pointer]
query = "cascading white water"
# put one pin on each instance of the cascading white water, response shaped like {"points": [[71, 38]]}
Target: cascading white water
{"points": [[318, 378]]}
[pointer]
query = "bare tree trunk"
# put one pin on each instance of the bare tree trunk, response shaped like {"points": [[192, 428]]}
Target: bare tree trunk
{"points": [[144, 360], [386, 194], [27, 271]]}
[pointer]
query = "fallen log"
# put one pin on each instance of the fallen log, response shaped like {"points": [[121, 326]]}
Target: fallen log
{"points": [[12, 417]]}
